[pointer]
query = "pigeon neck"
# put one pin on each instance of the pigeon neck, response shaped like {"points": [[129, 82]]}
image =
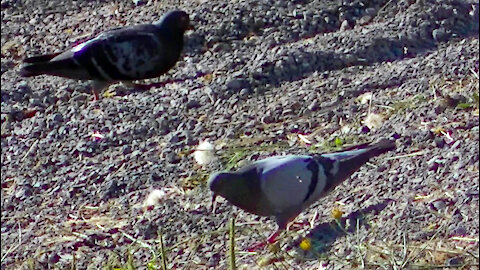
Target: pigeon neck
{"points": [[171, 32]]}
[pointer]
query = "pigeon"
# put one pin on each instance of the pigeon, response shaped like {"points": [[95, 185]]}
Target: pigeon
{"points": [[122, 54], [284, 186]]}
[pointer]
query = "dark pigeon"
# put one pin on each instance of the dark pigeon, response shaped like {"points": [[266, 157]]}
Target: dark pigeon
{"points": [[122, 54], [284, 186]]}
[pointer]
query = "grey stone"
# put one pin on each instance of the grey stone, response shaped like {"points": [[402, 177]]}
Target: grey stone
{"points": [[237, 84]]}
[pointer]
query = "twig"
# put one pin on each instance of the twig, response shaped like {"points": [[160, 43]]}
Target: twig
{"points": [[74, 262]]}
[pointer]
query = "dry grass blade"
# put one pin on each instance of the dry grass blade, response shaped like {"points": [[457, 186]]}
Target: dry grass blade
{"points": [[74, 262], [12, 248], [142, 244], [361, 255], [409, 258], [232, 245], [419, 153], [130, 265], [219, 231], [30, 150], [474, 73], [162, 252]]}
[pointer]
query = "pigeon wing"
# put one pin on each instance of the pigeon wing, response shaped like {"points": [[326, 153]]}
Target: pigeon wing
{"points": [[131, 53], [128, 53], [287, 182]]}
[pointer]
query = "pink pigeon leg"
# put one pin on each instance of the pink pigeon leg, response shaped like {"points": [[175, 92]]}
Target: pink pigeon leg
{"points": [[98, 86], [271, 239]]}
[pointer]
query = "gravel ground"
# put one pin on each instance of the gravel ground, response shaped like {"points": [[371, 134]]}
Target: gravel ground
{"points": [[255, 74]]}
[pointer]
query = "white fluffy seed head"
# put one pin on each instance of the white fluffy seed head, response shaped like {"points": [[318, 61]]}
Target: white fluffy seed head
{"points": [[205, 153], [365, 98], [373, 121], [154, 197]]}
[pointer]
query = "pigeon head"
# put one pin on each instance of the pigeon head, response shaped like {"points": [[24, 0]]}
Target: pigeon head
{"points": [[218, 182], [175, 20], [240, 188], [227, 185]]}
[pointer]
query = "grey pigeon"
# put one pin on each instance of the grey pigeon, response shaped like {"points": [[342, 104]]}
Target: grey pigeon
{"points": [[284, 186], [122, 54]]}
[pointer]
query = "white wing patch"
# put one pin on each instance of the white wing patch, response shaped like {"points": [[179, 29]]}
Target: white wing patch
{"points": [[80, 46]]}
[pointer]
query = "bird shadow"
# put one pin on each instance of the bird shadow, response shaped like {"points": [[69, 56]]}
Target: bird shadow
{"points": [[138, 87], [324, 235]]}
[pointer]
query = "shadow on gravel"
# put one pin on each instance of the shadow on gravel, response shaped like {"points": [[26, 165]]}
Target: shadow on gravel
{"points": [[148, 86], [324, 235], [427, 36]]}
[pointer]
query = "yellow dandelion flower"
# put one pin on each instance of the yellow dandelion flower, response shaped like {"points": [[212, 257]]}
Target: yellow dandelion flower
{"points": [[337, 213], [109, 93], [306, 244], [207, 78]]}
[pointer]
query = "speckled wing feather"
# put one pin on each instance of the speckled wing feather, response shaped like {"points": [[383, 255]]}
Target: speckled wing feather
{"points": [[122, 54], [131, 53]]}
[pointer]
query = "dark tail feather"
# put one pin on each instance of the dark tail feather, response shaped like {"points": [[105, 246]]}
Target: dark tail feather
{"points": [[36, 65], [33, 70], [40, 58], [380, 147], [363, 152], [351, 159]]}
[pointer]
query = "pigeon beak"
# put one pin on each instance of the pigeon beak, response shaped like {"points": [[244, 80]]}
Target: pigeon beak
{"points": [[214, 203]]}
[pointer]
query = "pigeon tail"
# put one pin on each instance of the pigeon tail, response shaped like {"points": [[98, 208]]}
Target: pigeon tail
{"points": [[36, 65], [40, 58], [341, 165], [62, 65], [33, 70]]}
